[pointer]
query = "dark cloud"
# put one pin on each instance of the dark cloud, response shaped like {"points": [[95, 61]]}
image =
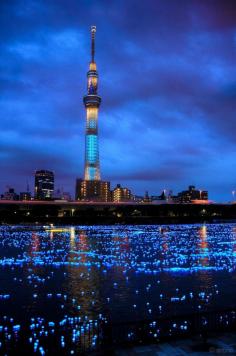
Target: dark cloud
{"points": [[167, 81]]}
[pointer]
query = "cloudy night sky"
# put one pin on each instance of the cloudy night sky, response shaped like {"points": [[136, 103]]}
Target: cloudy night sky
{"points": [[167, 78]]}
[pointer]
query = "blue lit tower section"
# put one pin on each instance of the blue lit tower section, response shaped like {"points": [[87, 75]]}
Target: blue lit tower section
{"points": [[92, 102]]}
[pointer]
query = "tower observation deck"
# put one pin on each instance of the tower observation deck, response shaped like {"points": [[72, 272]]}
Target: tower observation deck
{"points": [[92, 102]]}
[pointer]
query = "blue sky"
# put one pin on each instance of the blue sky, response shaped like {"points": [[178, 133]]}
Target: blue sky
{"points": [[168, 87]]}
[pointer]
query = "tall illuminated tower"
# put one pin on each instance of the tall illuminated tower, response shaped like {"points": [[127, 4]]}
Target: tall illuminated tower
{"points": [[92, 188], [92, 102]]}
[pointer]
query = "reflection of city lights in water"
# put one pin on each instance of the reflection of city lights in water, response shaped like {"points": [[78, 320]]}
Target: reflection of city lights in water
{"points": [[203, 239], [58, 230], [234, 240], [165, 241], [83, 246], [51, 235], [234, 231], [203, 232], [72, 237], [205, 280], [116, 272], [35, 242]]}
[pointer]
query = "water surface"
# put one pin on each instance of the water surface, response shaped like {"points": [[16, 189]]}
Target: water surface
{"points": [[54, 278]]}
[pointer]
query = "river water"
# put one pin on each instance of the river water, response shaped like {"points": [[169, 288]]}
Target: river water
{"points": [[55, 279]]}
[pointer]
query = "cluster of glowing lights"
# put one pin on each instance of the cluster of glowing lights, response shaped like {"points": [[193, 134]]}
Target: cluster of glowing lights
{"points": [[84, 276], [92, 149], [92, 115]]}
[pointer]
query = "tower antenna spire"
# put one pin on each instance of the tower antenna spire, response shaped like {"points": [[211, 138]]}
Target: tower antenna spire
{"points": [[93, 31]]}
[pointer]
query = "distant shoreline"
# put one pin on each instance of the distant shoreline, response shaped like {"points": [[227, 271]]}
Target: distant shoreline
{"points": [[72, 213]]}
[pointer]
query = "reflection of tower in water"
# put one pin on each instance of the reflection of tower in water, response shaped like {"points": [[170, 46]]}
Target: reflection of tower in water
{"points": [[164, 236], [203, 246], [72, 238], [234, 240], [83, 244], [122, 248], [204, 276], [83, 280], [35, 244], [51, 235]]}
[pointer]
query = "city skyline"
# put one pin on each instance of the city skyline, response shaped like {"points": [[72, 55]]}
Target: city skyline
{"points": [[168, 101]]}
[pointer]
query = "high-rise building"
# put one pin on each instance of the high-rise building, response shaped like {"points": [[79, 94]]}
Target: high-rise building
{"points": [[10, 194], [25, 196], [88, 190], [78, 185], [192, 194], [120, 194], [44, 185], [92, 188]]}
